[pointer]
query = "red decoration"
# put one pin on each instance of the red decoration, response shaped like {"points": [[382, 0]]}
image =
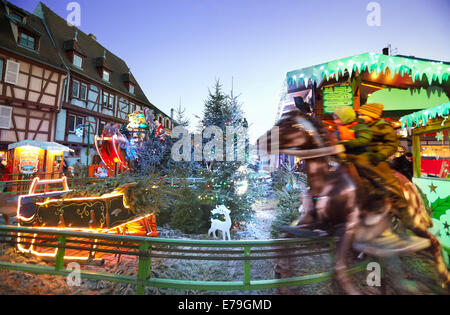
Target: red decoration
{"points": [[438, 168], [112, 148]]}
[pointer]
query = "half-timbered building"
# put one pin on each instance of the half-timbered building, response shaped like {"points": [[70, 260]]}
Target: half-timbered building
{"points": [[31, 78], [99, 88]]}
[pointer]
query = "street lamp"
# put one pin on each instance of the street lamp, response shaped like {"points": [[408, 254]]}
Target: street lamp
{"points": [[79, 131]]}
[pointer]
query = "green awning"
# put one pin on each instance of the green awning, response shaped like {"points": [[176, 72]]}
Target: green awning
{"points": [[372, 62], [421, 118]]}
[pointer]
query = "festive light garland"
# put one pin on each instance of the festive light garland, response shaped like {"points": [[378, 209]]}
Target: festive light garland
{"points": [[373, 63], [422, 117]]}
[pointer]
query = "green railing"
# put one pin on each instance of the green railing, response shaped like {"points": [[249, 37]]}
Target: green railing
{"points": [[145, 249]]}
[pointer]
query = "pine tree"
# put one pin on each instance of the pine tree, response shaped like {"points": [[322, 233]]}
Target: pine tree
{"points": [[217, 111], [223, 178], [181, 118]]}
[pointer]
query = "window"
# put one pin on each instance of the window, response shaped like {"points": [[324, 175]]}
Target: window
{"points": [[131, 89], [105, 98], [106, 75], [27, 40], [77, 61], [12, 72], [76, 153], [83, 91], [16, 16], [1, 69], [435, 154], [108, 100], [74, 121], [75, 89]]}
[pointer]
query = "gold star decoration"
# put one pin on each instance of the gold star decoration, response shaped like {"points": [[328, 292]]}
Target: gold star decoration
{"points": [[432, 188]]}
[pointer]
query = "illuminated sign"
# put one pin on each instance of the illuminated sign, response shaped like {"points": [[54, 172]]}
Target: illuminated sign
{"points": [[28, 161], [336, 96]]}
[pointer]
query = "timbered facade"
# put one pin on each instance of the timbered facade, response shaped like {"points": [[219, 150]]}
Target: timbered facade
{"points": [[100, 87], [31, 78], [56, 80]]}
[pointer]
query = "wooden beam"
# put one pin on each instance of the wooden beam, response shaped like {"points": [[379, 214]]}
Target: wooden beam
{"points": [[83, 111], [27, 123], [15, 128], [44, 89], [27, 93]]}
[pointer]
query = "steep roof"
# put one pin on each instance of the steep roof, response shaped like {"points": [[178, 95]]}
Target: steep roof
{"points": [[64, 35], [46, 53]]}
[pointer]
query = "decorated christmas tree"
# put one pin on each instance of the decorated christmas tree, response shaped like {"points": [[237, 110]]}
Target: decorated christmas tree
{"points": [[226, 175]]}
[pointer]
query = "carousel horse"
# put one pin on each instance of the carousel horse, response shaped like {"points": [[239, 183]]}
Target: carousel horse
{"points": [[336, 204]]}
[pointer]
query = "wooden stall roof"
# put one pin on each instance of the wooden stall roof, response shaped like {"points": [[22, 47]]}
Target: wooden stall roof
{"points": [[51, 146], [420, 118], [418, 69]]}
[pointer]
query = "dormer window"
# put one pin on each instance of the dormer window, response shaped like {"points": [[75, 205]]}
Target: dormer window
{"points": [[27, 40], [106, 75], [77, 61], [16, 16], [74, 52]]}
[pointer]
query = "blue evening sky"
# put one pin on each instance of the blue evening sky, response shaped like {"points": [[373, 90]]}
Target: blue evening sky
{"points": [[178, 48]]}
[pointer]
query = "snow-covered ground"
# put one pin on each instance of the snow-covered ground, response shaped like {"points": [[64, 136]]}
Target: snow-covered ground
{"points": [[413, 273]]}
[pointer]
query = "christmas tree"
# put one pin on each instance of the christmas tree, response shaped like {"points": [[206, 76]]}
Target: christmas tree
{"points": [[226, 176]]}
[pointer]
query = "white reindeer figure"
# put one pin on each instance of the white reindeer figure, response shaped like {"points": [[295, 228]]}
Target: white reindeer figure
{"points": [[223, 226]]}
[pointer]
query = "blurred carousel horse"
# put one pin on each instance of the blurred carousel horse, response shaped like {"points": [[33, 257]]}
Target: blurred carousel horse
{"points": [[336, 203]]}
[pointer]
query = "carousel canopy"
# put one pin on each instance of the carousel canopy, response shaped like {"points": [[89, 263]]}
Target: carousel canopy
{"points": [[421, 118], [51, 146], [373, 63]]}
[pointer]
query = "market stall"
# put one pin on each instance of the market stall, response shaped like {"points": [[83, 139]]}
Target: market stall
{"points": [[29, 158], [430, 130], [403, 84]]}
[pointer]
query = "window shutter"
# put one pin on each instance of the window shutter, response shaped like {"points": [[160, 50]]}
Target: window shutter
{"points": [[12, 72], [5, 117]]}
